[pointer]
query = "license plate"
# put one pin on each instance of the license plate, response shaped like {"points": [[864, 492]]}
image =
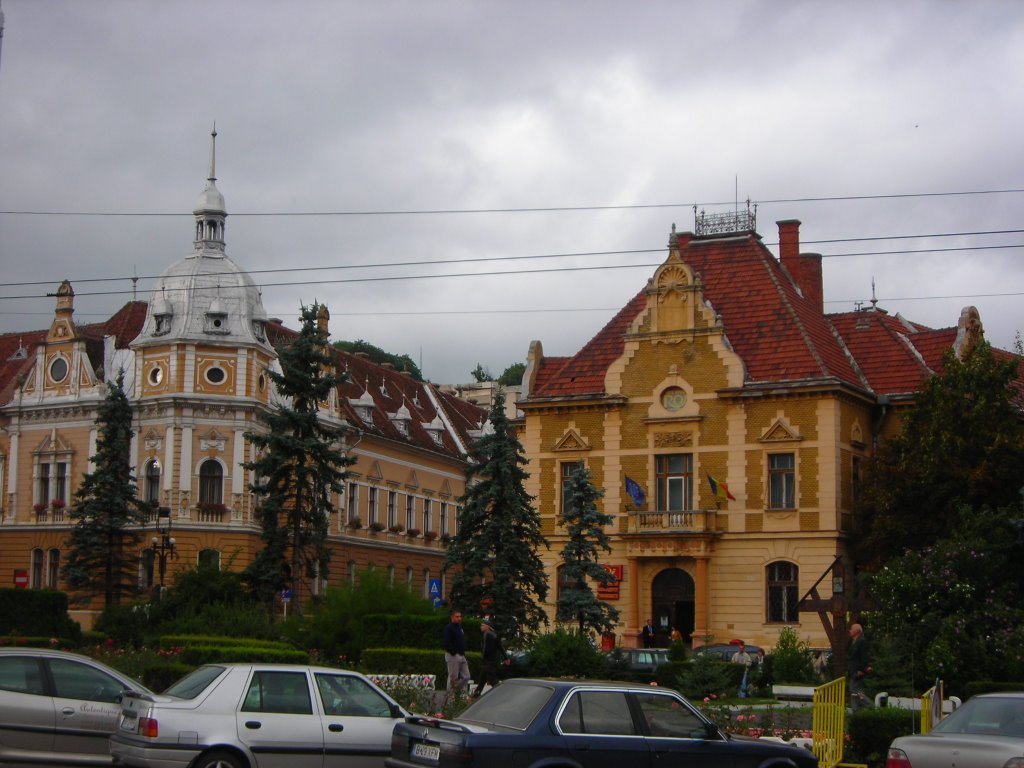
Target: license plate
{"points": [[426, 751], [130, 724]]}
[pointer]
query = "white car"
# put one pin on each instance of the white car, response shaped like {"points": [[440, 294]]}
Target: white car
{"points": [[58, 708], [258, 716], [986, 731]]}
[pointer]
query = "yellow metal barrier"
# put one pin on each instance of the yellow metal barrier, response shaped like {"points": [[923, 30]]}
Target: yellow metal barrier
{"points": [[828, 724], [931, 706]]}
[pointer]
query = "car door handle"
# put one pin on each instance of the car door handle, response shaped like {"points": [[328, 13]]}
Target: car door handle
{"points": [[335, 727], [68, 711], [253, 725]]}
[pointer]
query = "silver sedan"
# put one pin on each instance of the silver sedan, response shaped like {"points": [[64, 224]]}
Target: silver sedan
{"points": [[258, 716], [57, 708], [986, 732]]}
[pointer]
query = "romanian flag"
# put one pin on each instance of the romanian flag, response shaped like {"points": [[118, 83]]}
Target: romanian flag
{"points": [[719, 489]]}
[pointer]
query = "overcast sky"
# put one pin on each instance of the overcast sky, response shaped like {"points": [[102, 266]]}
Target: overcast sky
{"points": [[380, 114]]}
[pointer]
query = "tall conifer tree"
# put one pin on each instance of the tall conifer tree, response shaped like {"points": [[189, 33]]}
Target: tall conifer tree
{"points": [[494, 553], [300, 464], [101, 547], [584, 525]]}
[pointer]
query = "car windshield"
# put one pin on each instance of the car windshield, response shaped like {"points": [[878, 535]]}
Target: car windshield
{"points": [[996, 716], [513, 705], [195, 682]]}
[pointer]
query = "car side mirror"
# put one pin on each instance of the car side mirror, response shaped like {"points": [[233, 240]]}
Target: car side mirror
{"points": [[396, 711]]}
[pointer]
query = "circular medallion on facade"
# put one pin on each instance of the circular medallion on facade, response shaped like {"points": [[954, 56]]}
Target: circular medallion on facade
{"points": [[156, 375], [58, 370], [673, 399]]}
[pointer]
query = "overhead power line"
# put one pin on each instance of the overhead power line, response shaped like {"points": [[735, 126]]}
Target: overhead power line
{"points": [[534, 209]]}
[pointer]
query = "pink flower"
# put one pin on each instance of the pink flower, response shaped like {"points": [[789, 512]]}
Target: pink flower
{"points": [[706, 699], [740, 718]]}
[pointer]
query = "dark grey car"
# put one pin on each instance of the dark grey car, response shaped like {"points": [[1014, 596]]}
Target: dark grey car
{"points": [[58, 708]]}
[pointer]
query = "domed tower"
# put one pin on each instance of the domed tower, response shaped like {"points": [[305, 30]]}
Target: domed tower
{"points": [[201, 365]]}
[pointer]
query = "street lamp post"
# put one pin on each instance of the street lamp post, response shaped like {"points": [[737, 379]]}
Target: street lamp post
{"points": [[163, 543]]}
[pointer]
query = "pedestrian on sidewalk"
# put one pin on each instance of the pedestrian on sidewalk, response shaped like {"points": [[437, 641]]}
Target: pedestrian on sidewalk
{"points": [[742, 657], [455, 654], [494, 657]]}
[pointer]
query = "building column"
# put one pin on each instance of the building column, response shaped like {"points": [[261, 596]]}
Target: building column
{"points": [[701, 609], [633, 623]]}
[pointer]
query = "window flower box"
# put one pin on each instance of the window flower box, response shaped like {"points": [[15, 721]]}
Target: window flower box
{"points": [[376, 526], [429, 535], [412, 533], [355, 523], [396, 529], [58, 504], [40, 508]]}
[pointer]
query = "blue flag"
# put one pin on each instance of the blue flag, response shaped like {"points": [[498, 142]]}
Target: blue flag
{"points": [[636, 493]]}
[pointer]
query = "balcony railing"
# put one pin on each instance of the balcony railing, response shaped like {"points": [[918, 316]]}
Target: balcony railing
{"points": [[687, 521]]}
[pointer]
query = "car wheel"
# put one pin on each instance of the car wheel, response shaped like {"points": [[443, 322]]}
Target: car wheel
{"points": [[219, 760]]}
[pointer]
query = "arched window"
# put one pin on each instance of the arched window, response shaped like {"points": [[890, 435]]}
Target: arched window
{"points": [[53, 568], [36, 579], [211, 482], [782, 579], [152, 488], [209, 558], [147, 562]]}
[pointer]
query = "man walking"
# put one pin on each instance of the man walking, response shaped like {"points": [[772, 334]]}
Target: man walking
{"points": [[857, 666], [494, 656], [455, 654]]}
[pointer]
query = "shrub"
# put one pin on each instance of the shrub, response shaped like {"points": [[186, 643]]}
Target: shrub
{"points": [[873, 729], [705, 677], [565, 653], [36, 612], [128, 625], [792, 659], [197, 655], [414, 661]]}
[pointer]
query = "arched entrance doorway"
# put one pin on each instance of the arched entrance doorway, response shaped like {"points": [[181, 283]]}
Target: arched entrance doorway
{"points": [[672, 604]]}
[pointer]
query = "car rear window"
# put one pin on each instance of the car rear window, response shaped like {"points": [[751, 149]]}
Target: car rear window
{"points": [[195, 682], [511, 705]]}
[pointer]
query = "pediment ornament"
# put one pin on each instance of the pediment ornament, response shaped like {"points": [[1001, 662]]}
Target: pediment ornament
{"points": [[571, 441], [780, 432]]}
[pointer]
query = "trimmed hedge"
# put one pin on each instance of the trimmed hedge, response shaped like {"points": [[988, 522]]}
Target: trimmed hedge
{"points": [[415, 661], [197, 655], [166, 642], [158, 677], [60, 643], [872, 730], [36, 612]]}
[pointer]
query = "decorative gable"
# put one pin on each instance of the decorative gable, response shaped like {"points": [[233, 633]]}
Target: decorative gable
{"points": [[53, 444], [571, 440], [780, 432], [375, 472], [446, 489], [412, 482], [212, 441]]}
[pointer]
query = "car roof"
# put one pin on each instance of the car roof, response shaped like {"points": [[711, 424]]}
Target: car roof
{"points": [[28, 650], [563, 683]]}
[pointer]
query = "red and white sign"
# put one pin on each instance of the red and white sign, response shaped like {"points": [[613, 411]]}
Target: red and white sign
{"points": [[21, 579]]}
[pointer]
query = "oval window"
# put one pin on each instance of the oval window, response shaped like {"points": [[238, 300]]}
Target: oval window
{"points": [[156, 375], [215, 375], [261, 382], [58, 370], [673, 398]]}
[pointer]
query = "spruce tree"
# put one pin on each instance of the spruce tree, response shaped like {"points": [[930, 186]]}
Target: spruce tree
{"points": [[101, 546], [494, 553], [298, 467], [584, 526]]}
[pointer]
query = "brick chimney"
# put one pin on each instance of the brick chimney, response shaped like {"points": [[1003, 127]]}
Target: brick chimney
{"points": [[805, 269]]}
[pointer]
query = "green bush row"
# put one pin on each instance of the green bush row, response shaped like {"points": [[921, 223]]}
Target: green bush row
{"points": [[414, 661], [167, 642], [35, 612], [212, 654], [873, 729], [415, 631], [62, 643]]}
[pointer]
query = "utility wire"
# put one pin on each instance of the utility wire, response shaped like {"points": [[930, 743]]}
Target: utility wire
{"points": [[551, 209]]}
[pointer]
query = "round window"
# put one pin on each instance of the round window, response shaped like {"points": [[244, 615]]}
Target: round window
{"points": [[673, 398], [58, 369], [156, 375], [261, 382], [215, 375]]}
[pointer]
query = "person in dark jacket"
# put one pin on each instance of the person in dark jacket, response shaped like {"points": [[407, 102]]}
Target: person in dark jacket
{"points": [[494, 657], [858, 667], [455, 654]]}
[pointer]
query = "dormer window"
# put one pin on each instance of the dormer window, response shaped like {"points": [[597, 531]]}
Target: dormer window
{"points": [[259, 330], [161, 325], [401, 419], [436, 430], [216, 320], [365, 412]]}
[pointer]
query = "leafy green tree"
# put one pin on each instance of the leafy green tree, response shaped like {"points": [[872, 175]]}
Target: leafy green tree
{"points": [[298, 468], [480, 374], [105, 508], [565, 653], [494, 552], [961, 444], [584, 526], [378, 355], [956, 607], [513, 375]]}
